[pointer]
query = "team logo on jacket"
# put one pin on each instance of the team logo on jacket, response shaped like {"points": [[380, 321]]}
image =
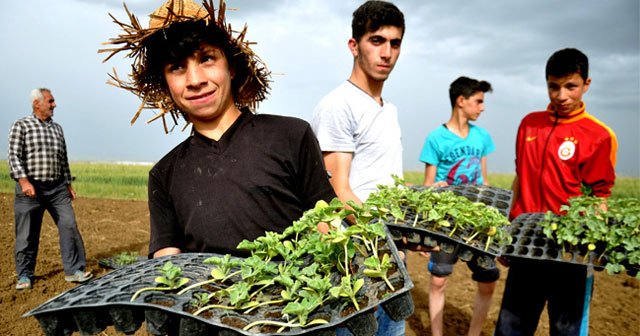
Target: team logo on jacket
{"points": [[567, 149]]}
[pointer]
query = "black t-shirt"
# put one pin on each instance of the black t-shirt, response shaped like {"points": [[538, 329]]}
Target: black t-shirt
{"points": [[263, 173]]}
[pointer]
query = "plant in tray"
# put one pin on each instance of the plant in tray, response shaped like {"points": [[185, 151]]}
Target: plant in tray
{"points": [[377, 268], [125, 258], [170, 278], [199, 300], [442, 211], [296, 271], [614, 233]]}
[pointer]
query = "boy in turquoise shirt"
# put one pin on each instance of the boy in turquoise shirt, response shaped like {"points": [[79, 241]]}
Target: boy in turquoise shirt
{"points": [[456, 153]]}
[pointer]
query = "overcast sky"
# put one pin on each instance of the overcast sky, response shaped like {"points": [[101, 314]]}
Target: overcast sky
{"points": [[304, 43]]}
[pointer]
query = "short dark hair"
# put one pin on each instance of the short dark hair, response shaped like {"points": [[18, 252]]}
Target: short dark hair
{"points": [[467, 87], [181, 40], [567, 61], [372, 15]]}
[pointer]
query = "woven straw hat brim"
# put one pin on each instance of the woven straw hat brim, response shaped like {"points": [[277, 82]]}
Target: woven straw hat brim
{"points": [[154, 94]]}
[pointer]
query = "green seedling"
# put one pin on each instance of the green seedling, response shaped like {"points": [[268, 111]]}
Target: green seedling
{"points": [[170, 279], [221, 272], [609, 227], [348, 288], [443, 211], [199, 300], [298, 264], [377, 268], [125, 258]]}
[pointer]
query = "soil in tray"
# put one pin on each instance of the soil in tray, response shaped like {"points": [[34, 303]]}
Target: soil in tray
{"points": [[363, 302], [207, 314], [234, 321], [273, 314], [164, 303], [384, 291]]}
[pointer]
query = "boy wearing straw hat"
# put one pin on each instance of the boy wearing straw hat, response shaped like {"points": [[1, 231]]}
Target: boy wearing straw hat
{"points": [[238, 174]]}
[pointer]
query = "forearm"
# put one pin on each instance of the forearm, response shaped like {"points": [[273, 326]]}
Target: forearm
{"points": [[483, 168], [515, 190], [16, 166], [346, 194], [166, 251], [430, 177]]}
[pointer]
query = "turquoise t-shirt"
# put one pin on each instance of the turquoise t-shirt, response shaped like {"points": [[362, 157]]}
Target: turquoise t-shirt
{"points": [[457, 159]]}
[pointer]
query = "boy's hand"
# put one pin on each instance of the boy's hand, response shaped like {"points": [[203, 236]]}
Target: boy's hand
{"points": [[440, 184]]}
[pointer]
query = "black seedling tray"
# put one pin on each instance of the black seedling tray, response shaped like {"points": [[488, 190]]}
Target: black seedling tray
{"points": [[449, 244], [456, 243], [492, 196], [91, 307], [529, 242]]}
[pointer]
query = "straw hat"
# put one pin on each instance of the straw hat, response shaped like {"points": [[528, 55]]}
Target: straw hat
{"points": [[153, 93]]}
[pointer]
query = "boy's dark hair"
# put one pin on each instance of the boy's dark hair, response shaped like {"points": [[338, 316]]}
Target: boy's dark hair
{"points": [[566, 62], [372, 15], [180, 41], [466, 87]]}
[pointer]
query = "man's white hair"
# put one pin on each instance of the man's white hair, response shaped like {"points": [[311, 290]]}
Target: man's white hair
{"points": [[36, 94]]}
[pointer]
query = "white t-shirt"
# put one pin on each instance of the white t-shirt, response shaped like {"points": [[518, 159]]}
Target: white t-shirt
{"points": [[349, 120]]}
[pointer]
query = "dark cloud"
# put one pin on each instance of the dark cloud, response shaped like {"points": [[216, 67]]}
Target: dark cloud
{"points": [[503, 41]]}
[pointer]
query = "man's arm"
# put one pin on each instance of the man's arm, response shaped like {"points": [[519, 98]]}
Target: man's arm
{"points": [[483, 170], [165, 234], [515, 190], [430, 177], [16, 166], [166, 251], [339, 166]]}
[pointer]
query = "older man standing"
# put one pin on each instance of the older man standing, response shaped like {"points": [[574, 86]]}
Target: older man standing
{"points": [[38, 162]]}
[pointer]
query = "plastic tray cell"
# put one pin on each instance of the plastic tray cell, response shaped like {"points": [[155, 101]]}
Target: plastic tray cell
{"points": [[91, 307]]}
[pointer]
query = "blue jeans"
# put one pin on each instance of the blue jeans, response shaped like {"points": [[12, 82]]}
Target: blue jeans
{"points": [[386, 326], [28, 219]]}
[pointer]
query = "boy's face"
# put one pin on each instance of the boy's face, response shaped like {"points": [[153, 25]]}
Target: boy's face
{"points": [[565, 93], [200, 85], [377, 52], [472, 107]]}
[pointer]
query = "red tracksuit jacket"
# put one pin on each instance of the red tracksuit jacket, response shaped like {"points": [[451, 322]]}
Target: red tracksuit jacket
{"points": [[555, 155]]}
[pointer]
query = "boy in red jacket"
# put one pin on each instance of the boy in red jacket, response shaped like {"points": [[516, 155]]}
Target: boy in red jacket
{"points": [[557, 151]]}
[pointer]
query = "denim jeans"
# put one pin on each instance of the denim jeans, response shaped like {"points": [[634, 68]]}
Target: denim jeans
{"points": [[386, 326], [28, 220]]}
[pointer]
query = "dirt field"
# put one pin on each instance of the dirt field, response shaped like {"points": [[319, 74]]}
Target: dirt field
{"points": [[109, 227]]}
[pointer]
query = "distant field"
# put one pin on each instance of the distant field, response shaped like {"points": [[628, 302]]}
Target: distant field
{"points": [[98, 180], [129, 181]]}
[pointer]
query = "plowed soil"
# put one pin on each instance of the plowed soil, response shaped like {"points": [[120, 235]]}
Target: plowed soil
{"points": [[110, 227]]}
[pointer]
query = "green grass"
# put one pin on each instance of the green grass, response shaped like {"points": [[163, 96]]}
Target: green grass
{"points": [[496, 180], [120, 181], [98, 180]]}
